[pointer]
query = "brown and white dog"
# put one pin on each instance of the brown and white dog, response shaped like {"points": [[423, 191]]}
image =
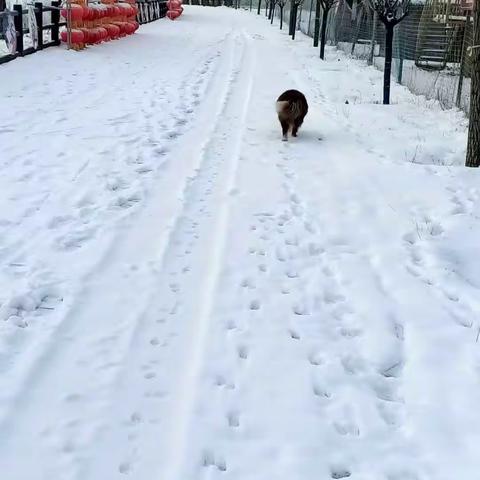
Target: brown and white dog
{"points": [[292, 107]]}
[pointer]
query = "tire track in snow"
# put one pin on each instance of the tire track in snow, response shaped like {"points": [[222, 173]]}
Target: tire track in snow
{"points": [[168, 335], [114, 339], [235, 109], [47, 286]]}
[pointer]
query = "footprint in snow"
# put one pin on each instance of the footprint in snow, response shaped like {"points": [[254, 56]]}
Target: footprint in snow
{"points": [[255, 305], [233, 419], [294, 335], [209, 459], [242, 352], [125, 468], [339, 473]]}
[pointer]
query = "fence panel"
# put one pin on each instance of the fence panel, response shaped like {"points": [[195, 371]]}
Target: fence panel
{"points": [[151, 10], [48, 25], [431, 45]]}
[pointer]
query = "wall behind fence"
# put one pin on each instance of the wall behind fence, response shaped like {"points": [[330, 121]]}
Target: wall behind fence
{"points": [[431, 54], [430, 48]]}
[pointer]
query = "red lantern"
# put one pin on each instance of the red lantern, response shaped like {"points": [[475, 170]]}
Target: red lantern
{"points": [[76, 36], [93, 36], [85, 32], [123, 7], [103, 33], [121, 25], [89, 36], [76, 12], [113, 30], [173, 4], [98, 36], [173, 14]]}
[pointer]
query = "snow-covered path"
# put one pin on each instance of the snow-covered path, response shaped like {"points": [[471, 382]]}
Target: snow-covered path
{"points": [[185, 297]]}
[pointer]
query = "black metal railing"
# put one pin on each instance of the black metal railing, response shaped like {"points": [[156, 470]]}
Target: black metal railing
{"points": [[151, 10], [52, 28]]}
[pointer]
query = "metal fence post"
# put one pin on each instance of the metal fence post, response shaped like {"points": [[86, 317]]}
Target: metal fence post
{"points": [[55, 18], [461, 74], [373, 39], [401, 52], [39, 19], [18, 21]]}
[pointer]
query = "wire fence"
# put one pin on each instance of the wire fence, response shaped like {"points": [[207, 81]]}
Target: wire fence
{"points": [[432, 54]]}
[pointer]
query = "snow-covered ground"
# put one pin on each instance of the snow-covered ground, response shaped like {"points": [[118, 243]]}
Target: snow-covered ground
{"points": [[185, 297]]}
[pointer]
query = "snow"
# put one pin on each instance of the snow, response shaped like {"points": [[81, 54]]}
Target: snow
{"points": [[186, 297]]}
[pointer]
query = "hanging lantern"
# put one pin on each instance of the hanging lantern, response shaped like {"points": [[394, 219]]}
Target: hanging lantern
{"points": [[121, 25], [76, 37], [76, 12], [113, 30], [103, 33], [173, 14], [173, 4]]}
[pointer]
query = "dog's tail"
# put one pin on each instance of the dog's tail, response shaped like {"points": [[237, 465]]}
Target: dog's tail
{"points": [[282, 106], [292, 109]]}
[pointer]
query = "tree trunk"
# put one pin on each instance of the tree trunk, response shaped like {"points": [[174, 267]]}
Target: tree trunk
{"points": [[473, 147], [273, 12], [310, 17], [316, 31], [387, 71], [294, 23], [259, 6], [373, 38], [323, 39], [281, 17], [290, 26]]}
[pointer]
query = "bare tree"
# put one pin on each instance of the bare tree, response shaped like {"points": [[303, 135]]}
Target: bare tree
{"points": [[326, 7], [294, 4], [271, 9], [281, 4], [473, 147], [391, 13]]}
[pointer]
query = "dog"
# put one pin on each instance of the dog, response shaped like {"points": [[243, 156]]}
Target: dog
{"points": [[292, 107]]}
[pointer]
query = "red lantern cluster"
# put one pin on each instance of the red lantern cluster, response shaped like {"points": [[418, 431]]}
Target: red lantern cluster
{"points": [[95, 23], [175, 9]]}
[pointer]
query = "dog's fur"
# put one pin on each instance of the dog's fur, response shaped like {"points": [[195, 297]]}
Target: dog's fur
{"points": [[292, 107]]}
